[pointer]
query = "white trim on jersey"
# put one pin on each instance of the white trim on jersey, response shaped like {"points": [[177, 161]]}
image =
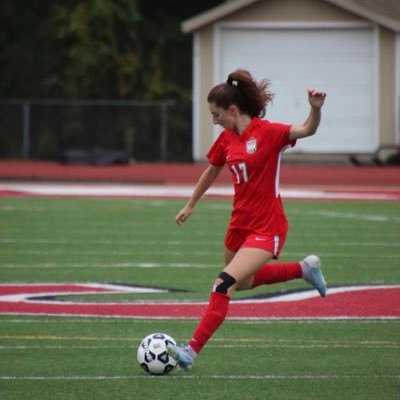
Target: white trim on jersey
{"points": [[278, 171], [276, 244]]}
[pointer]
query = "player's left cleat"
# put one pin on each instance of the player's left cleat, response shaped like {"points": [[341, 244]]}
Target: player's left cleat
{"points": [[183, 355], [311, 267]]}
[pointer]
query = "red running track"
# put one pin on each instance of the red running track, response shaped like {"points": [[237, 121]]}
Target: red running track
{"points": [[157, 173]]}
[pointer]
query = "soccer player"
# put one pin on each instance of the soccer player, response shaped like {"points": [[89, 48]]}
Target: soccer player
{"points": [[251, 148]]}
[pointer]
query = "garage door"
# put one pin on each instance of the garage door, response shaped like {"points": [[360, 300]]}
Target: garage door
{"points": [[340, 61]]}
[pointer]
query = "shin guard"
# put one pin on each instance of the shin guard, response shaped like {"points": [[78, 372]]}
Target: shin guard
{"points": [[213, 317]]}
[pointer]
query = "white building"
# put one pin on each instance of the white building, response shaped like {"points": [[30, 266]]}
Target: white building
{"points": [[349, 48]]}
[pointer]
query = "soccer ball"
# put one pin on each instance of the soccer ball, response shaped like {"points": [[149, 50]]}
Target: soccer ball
{"points": [[152, 354]]}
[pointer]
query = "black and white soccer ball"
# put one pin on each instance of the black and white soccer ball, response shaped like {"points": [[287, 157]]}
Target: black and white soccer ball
{"points": [[152, 354]]}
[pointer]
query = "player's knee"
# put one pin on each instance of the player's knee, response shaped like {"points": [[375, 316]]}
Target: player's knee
{"points": [[224, 283]]}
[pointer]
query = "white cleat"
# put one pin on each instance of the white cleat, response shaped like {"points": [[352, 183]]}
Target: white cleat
{"points": [[311, 267], [183, 355]]}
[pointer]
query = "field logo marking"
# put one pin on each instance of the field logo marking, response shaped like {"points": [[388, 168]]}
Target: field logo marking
{"points": [[352, 302]]}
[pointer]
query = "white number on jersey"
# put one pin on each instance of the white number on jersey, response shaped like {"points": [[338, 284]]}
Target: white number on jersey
{"points": [[240, 171]]}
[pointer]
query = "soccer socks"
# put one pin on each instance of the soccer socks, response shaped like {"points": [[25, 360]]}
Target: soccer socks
{"points": [[277, 272], [213, 317], [218, 305]]}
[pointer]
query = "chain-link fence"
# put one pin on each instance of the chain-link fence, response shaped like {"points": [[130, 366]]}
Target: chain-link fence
{"points": [[54, 130]]}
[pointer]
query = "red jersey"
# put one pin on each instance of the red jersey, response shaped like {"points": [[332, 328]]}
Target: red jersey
{"points": [[254, 161]]}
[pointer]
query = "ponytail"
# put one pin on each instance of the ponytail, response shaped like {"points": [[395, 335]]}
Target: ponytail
{"points": [[250, 96]]}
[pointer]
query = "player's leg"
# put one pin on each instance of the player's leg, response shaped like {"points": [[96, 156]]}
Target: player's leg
{"points": [[242, 266], [308, 269], [277, 272], [270, 273], [229, 254]]}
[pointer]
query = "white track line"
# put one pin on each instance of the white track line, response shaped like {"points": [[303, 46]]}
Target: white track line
{"points": [[83, 320], [167, 191]]}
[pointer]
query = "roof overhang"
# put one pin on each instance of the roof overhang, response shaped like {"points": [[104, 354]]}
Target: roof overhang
{"points": [[214, 14], [208, 17]]}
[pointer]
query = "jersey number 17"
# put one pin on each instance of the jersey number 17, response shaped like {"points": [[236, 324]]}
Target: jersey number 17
{"points": [[240, 171]]}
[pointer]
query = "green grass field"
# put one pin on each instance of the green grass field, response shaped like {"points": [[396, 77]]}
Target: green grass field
{"points": [[136, 241]]}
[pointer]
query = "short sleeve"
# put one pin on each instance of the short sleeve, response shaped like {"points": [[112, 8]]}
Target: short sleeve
{"points": [[282, 135], [217, 153]]}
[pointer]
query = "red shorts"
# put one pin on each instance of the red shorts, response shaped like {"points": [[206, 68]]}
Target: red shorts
{"points": [[238, 238]]}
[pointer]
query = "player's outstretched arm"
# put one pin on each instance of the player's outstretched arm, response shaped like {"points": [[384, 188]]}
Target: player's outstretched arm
{"points": [[205, 181], [316, 98]]}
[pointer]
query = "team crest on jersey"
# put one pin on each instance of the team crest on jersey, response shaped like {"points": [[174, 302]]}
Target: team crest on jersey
{"points": [[251, 146]]}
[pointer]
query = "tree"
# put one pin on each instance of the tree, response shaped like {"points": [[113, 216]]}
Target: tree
{"points": [[96, 48], [99, 49], [27, 52]]}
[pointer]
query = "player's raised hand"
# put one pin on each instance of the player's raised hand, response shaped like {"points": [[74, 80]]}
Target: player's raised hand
{"points": [[316, 98]]}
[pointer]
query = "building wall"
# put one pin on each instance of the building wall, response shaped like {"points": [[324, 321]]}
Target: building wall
{"points": [[289, 11], [397, 92], [387, 89]]}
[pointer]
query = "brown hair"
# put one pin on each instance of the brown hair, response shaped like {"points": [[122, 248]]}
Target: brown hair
{"points": [[241, 89]]}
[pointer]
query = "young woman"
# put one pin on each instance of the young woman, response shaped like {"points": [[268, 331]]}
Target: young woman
{"points": [[251, 148]]}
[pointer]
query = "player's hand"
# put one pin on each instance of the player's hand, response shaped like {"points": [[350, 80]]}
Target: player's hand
{"points": [[316, 98], [183, 215]]}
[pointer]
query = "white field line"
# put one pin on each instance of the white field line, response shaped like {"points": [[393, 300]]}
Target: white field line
{"points": [[118, 289], [178, 243], [348, 215], [195, 254], [197, 377], [215, 343], [309, 294], [109, 265], [177, 265], [163, 191], [115, 242], [108, 289], [222, 346]]}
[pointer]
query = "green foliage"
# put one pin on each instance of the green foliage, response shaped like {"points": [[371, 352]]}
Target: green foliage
{"points": [[96, 48], [101, 47], [28, 49]]}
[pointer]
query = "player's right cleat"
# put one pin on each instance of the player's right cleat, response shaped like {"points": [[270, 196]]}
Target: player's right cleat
{"points": [[311, 267], [183, 355]]}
